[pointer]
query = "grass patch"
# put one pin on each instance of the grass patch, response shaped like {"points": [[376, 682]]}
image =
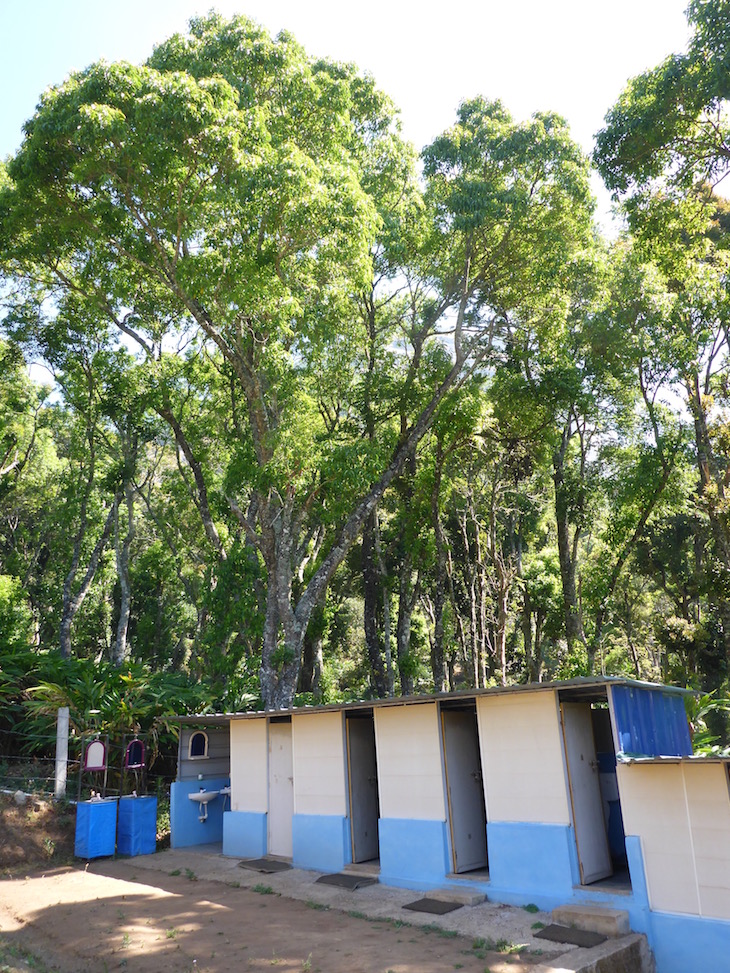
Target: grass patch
{"points": [[530, 907], [483, 946], [318, 906], [15, 959], [262, 889], [537, 925], [443, 933]]}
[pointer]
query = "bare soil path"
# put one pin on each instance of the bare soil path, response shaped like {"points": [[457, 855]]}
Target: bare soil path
{"points": [[118, 916]]}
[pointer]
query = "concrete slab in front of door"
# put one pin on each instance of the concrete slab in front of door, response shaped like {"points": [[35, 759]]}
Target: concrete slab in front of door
{"points": [[462, 896], [609, 922]]}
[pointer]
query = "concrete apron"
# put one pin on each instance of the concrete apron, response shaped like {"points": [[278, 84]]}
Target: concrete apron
{"points": [[478, 919], [629, 954]]}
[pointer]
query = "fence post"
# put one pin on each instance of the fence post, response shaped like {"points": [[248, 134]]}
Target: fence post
{"points": [[61, 752]]}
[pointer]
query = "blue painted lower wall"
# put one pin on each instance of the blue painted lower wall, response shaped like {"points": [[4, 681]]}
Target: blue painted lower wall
{"points": [[532, 859], [321, 842], [245, 834], [539, 863], [185, 828], [689, 944], [413, 854]]}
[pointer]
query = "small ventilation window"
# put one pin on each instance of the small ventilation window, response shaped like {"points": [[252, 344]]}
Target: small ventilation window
{"points": [[95, 757], [134, 757], [198, 749]]}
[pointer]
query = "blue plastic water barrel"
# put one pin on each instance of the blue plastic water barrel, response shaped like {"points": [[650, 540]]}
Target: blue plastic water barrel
{"points": [[137, 827], [96, 828]]}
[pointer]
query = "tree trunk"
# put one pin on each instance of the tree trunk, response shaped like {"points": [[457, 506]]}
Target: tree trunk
{"points": [[311, 672], [71, 603], [279, 683], [713, 481], [438, 662], [486, 659], [502, 593], [630, 635], [372, 606], [527, 638], [407, 597], [537, 657], [120, 652], [385, 589], [199, 496], [280, 657], [573, 623]]}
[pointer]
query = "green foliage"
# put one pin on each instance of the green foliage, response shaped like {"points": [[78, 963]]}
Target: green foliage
{"points": [[700, 710], [669, 124], [16, 621], [250, 300], [130, 700], [488, 175]]}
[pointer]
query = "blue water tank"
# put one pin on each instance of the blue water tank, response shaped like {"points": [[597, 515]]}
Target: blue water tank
{"points": [[137, 828], [96, 828]]}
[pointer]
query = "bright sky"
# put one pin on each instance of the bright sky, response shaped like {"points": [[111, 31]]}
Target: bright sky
{"points": [[569, 56]]}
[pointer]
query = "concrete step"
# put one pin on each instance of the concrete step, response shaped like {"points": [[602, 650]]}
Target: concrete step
{"points": [[627, 954], [593, 918], [461, 896], [371, 869]]}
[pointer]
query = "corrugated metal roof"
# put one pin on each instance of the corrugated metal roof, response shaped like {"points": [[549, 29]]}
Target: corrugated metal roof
{"points": [[584, 684], [697, 758]]}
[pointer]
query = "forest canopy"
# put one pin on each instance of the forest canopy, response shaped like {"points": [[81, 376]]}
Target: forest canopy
{"points": [[329, 419]]}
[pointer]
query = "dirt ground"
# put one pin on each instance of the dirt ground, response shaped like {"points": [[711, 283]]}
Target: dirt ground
{"points": [[116, 916], [182, 912], [35, 833]]}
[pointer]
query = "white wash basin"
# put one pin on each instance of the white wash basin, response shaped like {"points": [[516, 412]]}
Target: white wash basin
{"points": [[225, 791], [202, 797]]}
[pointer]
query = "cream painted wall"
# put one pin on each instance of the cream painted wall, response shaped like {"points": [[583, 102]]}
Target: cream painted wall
{"points": [[319, 764], [653, 808], [249, 765], [410, 776], [681, 813], [522, 758], [708, 800]]}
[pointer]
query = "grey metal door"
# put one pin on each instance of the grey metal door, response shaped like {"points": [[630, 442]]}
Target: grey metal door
{"points": [[281, 790], [467, 812], [363, 778], [594, 856]]}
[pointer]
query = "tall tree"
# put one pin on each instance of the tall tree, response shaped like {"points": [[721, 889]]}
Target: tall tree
{"points": [[662, 152], [228, 192]]}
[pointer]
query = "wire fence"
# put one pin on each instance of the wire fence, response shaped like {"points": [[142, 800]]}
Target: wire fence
{"points": [[36, 775]]}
